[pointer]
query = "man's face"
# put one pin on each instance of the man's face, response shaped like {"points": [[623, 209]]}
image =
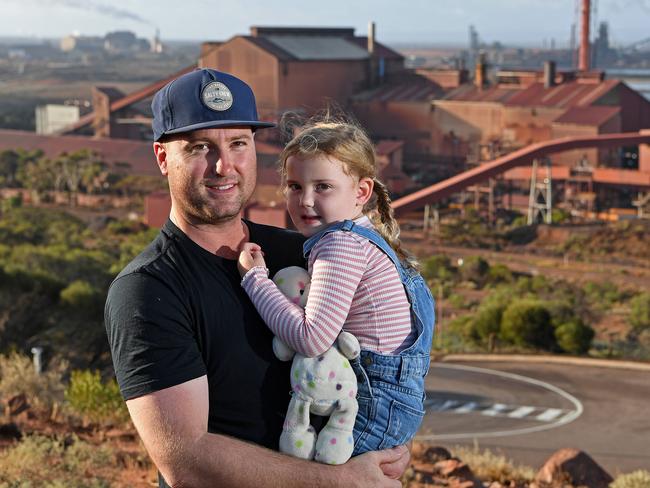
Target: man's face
{"points": [[211, 172]]}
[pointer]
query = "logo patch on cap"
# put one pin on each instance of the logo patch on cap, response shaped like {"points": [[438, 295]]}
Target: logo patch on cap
{"points": [[216, 96]]}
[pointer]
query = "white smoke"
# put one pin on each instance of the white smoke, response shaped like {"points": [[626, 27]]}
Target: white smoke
{"points": [[102, 8]]}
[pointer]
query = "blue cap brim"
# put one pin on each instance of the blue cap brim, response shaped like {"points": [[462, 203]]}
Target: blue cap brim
{"points": [[219, 123]]}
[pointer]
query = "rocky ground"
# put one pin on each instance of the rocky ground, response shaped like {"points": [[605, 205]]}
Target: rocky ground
{"points": [[435, 467], [128, 465]]}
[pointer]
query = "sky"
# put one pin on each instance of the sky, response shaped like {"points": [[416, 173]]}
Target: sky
{"points": [[512, 22]]}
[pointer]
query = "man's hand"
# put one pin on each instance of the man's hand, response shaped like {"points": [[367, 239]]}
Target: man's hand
{"points": [[250, 255], [395, 468], [381, 469]]}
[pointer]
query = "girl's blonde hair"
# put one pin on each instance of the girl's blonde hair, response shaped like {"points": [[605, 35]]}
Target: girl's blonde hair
{"points": [[349, 143]]}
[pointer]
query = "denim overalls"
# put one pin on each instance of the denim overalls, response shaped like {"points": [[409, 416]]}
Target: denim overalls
{"points": [[390, 387]]}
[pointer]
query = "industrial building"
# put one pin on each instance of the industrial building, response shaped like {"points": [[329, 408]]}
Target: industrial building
{"points": [[431, 124]]}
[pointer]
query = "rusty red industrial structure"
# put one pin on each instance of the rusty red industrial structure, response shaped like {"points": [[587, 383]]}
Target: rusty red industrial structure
{"points": [[585, 16], [130, 99], [522, 157], [434, 122]]}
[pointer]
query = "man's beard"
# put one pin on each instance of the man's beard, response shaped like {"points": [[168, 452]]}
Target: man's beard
{"points": [[201, 208]]}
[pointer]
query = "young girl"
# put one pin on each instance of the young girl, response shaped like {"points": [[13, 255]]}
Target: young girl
{"points": [[362, 281]]}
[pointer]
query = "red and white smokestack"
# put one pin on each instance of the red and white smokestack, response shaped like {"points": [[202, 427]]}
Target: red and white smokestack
{"points": [[584, 64]]}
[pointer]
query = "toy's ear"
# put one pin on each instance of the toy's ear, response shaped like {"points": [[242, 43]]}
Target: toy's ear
{"points": [[348, 345], [281, 350]]}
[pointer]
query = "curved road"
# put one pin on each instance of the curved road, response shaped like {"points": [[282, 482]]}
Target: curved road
{"points": [[527, 411]]}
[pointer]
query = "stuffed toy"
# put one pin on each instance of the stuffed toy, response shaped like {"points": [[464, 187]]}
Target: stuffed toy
{"points": [[322, 385]]}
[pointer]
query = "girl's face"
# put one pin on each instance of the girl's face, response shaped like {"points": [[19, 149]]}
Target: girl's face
{"points": [[319, 192]]}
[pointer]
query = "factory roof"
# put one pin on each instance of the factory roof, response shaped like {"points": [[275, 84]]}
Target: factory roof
{"points": [[311, 48], [406, 87], [471, 93], [315, 44], [564, 95], [592, 115]]}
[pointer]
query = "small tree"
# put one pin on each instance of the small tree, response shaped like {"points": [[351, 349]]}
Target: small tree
{"points": [[640, 312], [8, 166], [437, 267], [527, 323], [499, 273], [94, 400], [487, 321], [574, 337], [81, 296]]}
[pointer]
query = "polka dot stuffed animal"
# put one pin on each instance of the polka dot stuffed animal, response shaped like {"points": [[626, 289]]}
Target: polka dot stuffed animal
{"points": [[322, 385]]}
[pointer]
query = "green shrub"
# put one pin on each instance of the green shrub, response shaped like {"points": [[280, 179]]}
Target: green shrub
{"points": [[437, 267], [94, 400], [640, 311], [457, 300], [561, 312], [635, 479], [81, 295], [602, 295], [499, 273], [574, 337], [559, 215], [487, 321], [39, 461], [455, 335], [11, 202], [475, 269], [527, 323]]}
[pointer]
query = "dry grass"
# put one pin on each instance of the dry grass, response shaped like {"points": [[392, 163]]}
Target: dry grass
{"points": [[39, 461], [43, 391], [489, 466], [636, 479]]}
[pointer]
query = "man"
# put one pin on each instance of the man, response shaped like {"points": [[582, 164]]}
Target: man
{"points": [[192, 356]]}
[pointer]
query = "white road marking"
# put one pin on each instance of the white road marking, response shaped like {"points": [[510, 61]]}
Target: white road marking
{"points": [[495, 409], [565, 419], [521, 412], [549, 414], [448, 404], [467, 407]]}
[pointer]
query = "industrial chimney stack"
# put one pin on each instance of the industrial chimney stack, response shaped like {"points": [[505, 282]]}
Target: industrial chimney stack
{"points": [[549, 74], [373, 62], [371, 38], [480, 71], [584, 64]]}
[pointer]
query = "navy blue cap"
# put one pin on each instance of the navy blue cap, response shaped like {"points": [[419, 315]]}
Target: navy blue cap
{"points": [[202, 99]]}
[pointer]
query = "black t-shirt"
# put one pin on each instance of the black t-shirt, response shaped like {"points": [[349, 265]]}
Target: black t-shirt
{"points": [[178, 312]]}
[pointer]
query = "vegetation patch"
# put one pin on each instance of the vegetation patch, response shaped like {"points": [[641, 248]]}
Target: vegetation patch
{"points": [[40, 461]]}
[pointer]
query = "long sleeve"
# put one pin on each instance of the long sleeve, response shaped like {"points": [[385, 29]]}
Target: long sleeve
{"points": [[337, 265]]}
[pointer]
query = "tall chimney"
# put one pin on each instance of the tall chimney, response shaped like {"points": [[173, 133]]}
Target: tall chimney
{"points": [[480, 73], [371, 38], [549, 74], [584, 36]]}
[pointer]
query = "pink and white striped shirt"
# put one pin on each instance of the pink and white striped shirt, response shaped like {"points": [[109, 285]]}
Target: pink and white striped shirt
{"points": [[354, 287]]}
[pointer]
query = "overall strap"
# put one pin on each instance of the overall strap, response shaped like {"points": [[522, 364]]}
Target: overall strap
{"points": [[313, 240], [370, 234]]}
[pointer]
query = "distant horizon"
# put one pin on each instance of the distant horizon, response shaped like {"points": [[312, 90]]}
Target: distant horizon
{"points": [[517, 23], [4, 39]]}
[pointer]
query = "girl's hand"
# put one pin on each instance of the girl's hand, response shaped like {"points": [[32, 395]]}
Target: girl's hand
{"points": [[250, 255]]}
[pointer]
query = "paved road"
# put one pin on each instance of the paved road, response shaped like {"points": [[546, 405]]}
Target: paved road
{"points": [[528, 411]]}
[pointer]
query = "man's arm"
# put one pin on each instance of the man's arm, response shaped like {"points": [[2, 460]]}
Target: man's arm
{"points": [[173, 426]]}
